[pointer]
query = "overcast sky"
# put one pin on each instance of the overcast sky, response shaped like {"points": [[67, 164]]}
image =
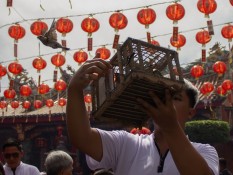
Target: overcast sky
{"points": [[28, 11]]}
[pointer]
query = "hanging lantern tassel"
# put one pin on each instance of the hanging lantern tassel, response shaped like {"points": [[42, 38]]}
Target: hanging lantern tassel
{"points": [[210, 27], [89, 42], [39, 77], [70, 4], [11, 84], [63, 42], [148, 37], [9, 4], [49, 114], [16, 49], [55, 75], [41, 6], [230, 51], [115, 41], [175, 33], [203, 55]]}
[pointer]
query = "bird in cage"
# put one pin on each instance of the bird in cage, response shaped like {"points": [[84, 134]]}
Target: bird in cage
{"points": [[49, 38]]}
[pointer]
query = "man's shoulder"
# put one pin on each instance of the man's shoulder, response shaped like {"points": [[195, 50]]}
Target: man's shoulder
{"points": [[29, 166]]}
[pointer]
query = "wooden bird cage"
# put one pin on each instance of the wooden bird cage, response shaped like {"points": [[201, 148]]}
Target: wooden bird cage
{"points": [[138, 67]]}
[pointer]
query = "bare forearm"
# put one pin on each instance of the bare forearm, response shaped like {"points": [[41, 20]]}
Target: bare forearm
{"points": [[77, 119], [185, 156]]}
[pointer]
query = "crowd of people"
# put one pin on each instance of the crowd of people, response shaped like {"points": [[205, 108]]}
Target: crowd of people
{"points": [[167, 150]]}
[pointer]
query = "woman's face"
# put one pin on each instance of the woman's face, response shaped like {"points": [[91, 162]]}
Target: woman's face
{"points": [[67, 171]]}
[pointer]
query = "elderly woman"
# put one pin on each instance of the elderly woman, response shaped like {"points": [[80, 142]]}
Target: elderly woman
{"points": [[58, 163]]}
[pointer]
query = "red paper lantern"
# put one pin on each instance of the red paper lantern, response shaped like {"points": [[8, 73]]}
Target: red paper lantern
{"points": [[221, 91], [25, 90], [90, 25], [219, 67], [16, 31], [58, 60], [144, 130], [146, 16], [39, 63], [3, 71], [227, 32], [49, 103], [38, 28], [207, 88], [118, 21], [104, 53], [26, 104], [206, 6], [62, 102], [9, 93], [203, 37], [154, 42], [37, 104], [43, 88], [60, 85], [88, 98], [197, 71], [15, 68], [14, 104], [227, 85], [80, 56], [231, 1], [64, 25], [179, 43], [3, 104], [175, 12]]}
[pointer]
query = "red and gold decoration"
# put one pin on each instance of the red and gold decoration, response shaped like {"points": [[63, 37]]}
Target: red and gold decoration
{"points": [[43, 88], [146, 17], [117, 21], [203, 38], [88, 101], [60, 85], [103, 52], [227, 85], [207, 7], [197, 71], [206, 88], [57, 60], [14, 104], [62, 102], [221, 91], [38, 28], [37, 104], [26, 104], [64, 26], [16, 32], [25, 91], [39, 63], [138, 131], [179, 43], [175, 12], [154, 42], [227, 32], [3, 105], [49, 103], [3, 72], [9, 94], [80, 56], [219, 67], [90, 25]]}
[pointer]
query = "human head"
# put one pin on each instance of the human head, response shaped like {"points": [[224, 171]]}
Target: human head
{"points": [[12, 152], [185, 102], [58, 163], [103, 172], [222, 163]]}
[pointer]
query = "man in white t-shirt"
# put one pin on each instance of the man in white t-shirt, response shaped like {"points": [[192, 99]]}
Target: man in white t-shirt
{"points": [[12, 153], [166, 151]]}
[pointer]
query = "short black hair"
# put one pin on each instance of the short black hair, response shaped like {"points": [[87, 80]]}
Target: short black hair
{"points": [[12, 142], [192, 93], [222, 162]]}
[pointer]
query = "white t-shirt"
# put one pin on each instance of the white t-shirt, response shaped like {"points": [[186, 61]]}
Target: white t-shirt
{"points": [[22, 169], [129, 154]]}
